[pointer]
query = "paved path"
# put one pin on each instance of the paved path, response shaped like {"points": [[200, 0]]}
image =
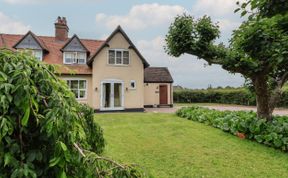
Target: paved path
{"points": [[277, 111]]}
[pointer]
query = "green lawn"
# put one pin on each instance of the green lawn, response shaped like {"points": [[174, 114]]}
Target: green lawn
{"points": [[168, 146]]}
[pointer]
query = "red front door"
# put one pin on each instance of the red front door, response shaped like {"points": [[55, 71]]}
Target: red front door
{"points": [[163, 94]]}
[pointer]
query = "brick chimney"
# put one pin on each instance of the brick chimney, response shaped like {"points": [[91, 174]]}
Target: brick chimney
{"points": [[61, 29]]}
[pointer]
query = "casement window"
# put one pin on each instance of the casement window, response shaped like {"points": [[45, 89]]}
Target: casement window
{"points": [[74, 57], [37, 53], [118, 57], [78, 87]]}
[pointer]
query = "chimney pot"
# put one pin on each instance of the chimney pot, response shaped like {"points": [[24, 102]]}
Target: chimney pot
{"points": [[61, 29]]}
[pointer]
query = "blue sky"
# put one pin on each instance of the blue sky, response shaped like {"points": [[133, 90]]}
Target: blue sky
{"points": [[146, 23]]}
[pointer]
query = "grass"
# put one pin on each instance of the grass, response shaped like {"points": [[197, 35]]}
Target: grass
{"points": [[168, 146]]}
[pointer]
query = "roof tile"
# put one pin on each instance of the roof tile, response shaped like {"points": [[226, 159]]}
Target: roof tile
{"points": [[157, 75], [55, 55]]}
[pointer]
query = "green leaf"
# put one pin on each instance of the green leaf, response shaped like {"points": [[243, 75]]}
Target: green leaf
{"points": [[54, 161], [63, 146], [3, 77], [63, 174], [7, 159], [236, 10], [25, 118]]}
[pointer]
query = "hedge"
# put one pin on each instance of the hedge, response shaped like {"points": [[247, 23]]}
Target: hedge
{"points": [[242, 124], [240, 96]]}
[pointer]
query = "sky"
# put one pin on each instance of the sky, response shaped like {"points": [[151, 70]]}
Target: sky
{"points": [[145, 21]]}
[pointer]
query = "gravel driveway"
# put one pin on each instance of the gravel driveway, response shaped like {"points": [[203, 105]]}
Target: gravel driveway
{"points": [[278, 111]]}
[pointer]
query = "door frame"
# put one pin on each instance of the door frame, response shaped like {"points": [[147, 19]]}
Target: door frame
{"points": [[112, 82]]}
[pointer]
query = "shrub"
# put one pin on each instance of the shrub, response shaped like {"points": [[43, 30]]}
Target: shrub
{"points": [[228, 96], [44, 131], [239, 96], [242, 123]]}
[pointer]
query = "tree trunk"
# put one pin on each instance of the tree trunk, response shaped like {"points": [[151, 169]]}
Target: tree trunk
{"points": [[275, 98], [262, 97]]}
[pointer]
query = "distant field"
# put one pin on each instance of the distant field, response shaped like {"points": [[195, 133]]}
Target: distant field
{"points": [[169, 146]]}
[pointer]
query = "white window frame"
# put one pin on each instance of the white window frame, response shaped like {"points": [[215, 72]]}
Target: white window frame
{"points": [[135, 85], [76, 60], [122, 57], [41, 54], [78, 90], [112, 82], [32, 51]]}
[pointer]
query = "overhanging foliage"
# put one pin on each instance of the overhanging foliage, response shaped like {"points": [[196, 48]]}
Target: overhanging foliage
{"points": [[44, 131]]}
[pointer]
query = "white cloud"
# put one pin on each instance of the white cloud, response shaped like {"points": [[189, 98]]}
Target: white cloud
{"points": [[9, 25], [215, 7], [142, 16], [186, 70], [227, 25]]}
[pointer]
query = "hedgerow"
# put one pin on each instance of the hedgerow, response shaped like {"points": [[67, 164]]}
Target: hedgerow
{"points": [[225, 96], [244, 124], [44, 131], [240, 96]]}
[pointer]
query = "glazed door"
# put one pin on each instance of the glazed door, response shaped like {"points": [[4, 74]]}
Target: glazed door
{"points": [[112, 96]]}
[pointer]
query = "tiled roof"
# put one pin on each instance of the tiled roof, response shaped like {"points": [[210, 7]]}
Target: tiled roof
{"points": [[55, 56], [157, 75]]}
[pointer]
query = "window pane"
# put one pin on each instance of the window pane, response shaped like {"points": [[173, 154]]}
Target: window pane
{"points": [[37, 54], [68, 57], [125, 57], [81, 58], [118, 57], [126, 54], [82, 93], [82, 84], [81, 61], [132, 84], [111, 57], [75, 93], [74, 84]]}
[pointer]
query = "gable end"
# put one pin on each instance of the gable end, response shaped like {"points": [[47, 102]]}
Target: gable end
{"points": [[106, 44], [74, 44], [30, 41]]}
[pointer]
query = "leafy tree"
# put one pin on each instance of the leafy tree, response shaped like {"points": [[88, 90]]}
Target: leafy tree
{"points": [[44, 131], [258, 49]]}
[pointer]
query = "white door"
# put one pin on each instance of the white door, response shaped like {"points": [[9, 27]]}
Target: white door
{"points": [[112, 95]]}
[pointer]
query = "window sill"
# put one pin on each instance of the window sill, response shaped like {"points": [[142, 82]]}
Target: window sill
{"points": [[118, 65]]}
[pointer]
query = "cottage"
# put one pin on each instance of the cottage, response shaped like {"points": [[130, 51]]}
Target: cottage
{"points": [[106, 74]]}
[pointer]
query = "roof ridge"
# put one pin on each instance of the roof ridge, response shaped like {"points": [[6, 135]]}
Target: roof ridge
{"points": [[46, 36]]}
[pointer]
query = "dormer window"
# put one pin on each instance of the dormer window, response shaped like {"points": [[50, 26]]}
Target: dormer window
{"points": [[32, 44], [74, 57], [38, 54], [118, 57]]}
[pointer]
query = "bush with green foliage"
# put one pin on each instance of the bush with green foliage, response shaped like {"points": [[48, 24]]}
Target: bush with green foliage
{"points": [[239, 96], [44, 131], [272, 133]]}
